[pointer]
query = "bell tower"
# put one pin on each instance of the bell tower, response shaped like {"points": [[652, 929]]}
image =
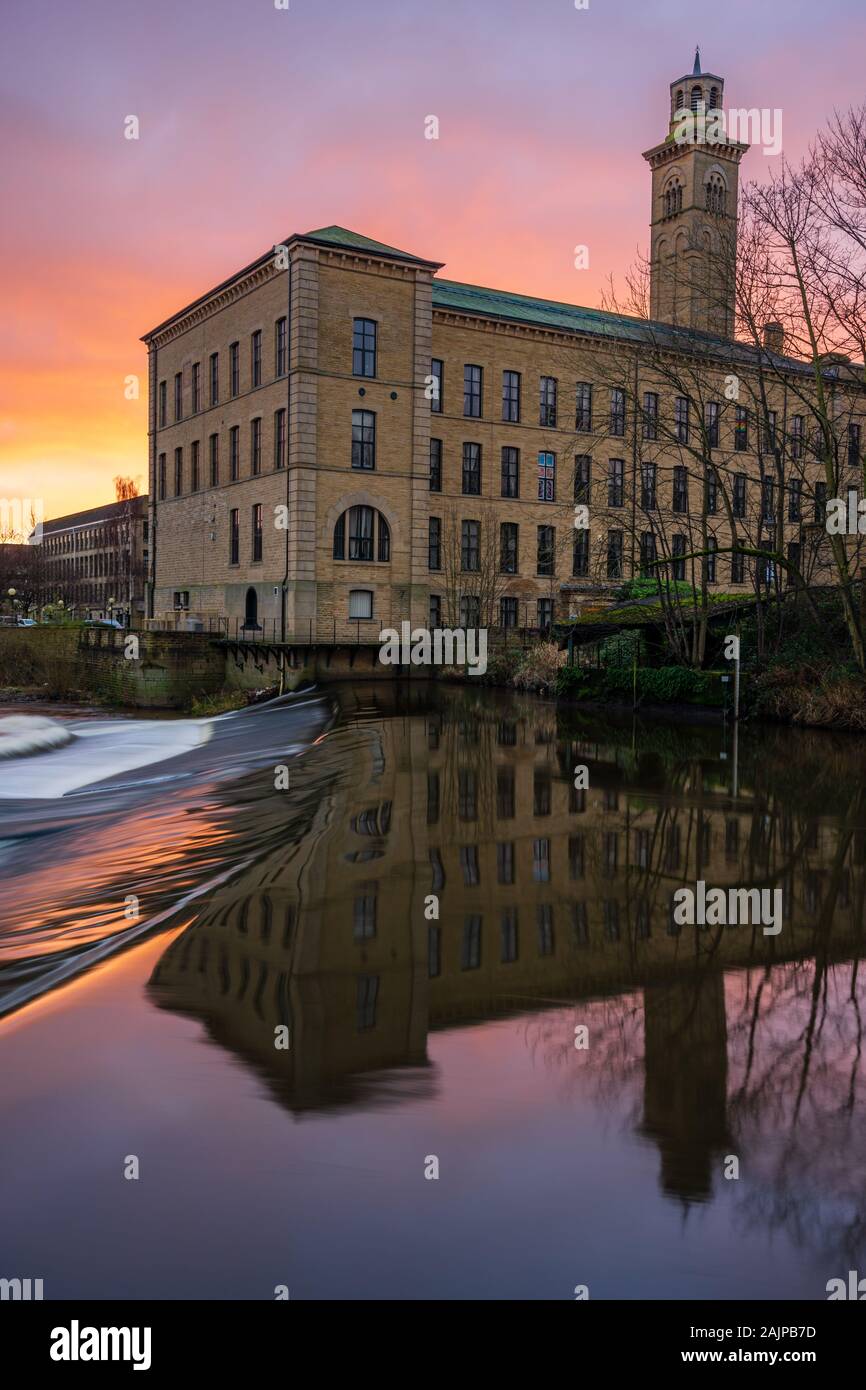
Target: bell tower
{"points": [[693, 238]]}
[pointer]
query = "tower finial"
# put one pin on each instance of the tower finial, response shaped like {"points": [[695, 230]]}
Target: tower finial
{"points": [[696, 70]]}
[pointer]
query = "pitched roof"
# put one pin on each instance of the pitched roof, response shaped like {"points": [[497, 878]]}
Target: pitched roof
{"points": [[342, 236], [94, 515], [573, 318], [323, 236]]}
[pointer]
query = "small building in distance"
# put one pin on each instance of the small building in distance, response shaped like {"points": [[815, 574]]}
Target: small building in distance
{"points": [[96, 561]]}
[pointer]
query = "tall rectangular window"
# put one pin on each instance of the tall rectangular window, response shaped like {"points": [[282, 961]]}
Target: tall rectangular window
{"points": [[161, 472], [711, 421], [582, 478], [738, 499], [196, 387], [363, 347], [511, 397], [255, 447], [798, 436], [434, 543], [281, 347], [163, 409], [280, 438], [194, 466], [648, 487], [738, 567], [580, 555], [508, 547], [768, 433], [681, 488], [510, 478], [681, 419], [472, 385], [178, 396], [435, 465], [214, 378], [234, 536], [650, 418], [795, 494], [614, 554], [178, 472], [257, 531], [583, 408], [547, 403], [234, 368], [363, 439], [544, 613], [508, 611], [437, 382], [546, 477], [214, 459], [678, 550], [741, 429], [545, 550], [647, 555], [615, 482], [710, 559], [711, 491], [617, 410], [768, 508], [853, 445], [472, 470], [470, 537], [820, 503], [256, 357], [234, 452]]}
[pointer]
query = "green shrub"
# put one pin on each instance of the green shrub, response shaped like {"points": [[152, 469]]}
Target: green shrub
{"points": [[655, 685]]}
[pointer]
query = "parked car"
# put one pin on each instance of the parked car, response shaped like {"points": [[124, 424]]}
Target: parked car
{"points": [[26, 622], [102, 622]]}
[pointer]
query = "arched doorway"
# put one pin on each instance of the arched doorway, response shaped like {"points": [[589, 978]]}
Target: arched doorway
{"points": [[251, 609]]}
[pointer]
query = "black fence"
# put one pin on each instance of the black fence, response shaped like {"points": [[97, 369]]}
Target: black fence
{"points": [[319, 632]]}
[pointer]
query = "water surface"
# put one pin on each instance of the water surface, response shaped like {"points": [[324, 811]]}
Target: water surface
{"points": [[312, 908]]}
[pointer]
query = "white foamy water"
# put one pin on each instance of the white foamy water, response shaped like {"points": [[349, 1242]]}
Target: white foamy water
{"points": [[23, 734], [90, 751]]}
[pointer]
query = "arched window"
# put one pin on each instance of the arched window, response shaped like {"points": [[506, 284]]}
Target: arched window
{"points": [[251, 609], [369, 536], [714, 98], [680, 100], [716, 197], [697, 98], [673, 198]]}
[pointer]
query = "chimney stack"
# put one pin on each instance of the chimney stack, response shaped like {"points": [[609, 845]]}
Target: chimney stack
{"points": [[774, 337]]}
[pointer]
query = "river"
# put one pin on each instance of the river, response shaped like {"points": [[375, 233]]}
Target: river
{"points": [[358, 995]]}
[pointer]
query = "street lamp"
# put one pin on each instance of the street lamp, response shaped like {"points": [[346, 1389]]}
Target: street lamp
{"points": [[10, 594], [111, 602]]}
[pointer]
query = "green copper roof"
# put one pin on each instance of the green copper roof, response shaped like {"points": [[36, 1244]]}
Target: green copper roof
{"points": [[550, 313], [341, 236], [474, 299]]}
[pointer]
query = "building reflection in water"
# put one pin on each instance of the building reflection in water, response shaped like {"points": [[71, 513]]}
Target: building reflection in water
{"points": [[548, 896]]}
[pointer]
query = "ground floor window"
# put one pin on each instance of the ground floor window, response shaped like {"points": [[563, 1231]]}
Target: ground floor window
{"points": [[360, 603]]}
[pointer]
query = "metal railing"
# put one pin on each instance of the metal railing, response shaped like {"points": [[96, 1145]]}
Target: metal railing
{"points": [[321, 631]]}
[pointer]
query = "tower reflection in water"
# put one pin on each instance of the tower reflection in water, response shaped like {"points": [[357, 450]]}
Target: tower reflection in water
{"points": [[554, 903]]}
